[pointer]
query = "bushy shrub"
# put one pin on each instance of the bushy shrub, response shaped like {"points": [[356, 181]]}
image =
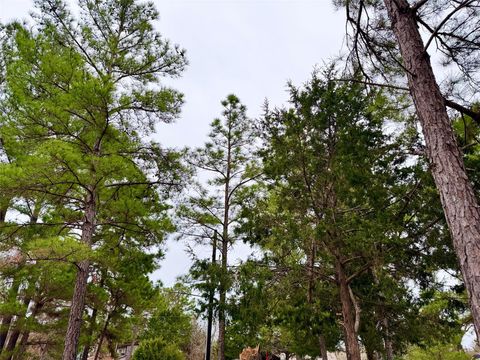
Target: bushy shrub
{"points": [[436, 352], [157, 349]]}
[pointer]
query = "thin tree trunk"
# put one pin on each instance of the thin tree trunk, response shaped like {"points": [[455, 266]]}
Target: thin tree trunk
{"points": [[38, 304], [323, 347], [224, 252], [26, 333], [458, 199], [348, 313], [311, 286], [112, 350], [5, 326], [91, 328], [78, 300], [15, 332], [387, 339], [208, 349], [356, 306], [130, 349], [102, 336], [382, 317], [7, 318], [222, 301]]}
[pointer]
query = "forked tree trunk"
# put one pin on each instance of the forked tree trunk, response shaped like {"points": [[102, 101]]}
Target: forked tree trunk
{"points": [[458, 199], [352, 347], [78, 300]]}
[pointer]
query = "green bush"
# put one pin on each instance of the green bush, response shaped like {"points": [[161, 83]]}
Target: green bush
{"points": [[157, 349], [436, 352]]}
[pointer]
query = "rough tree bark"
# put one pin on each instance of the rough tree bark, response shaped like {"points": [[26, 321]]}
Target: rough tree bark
{"points": [[80, 290], [459, 203], [348, 313]]}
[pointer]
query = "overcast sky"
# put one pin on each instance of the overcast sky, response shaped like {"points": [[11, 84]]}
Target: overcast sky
{"points": [[247, 47]]}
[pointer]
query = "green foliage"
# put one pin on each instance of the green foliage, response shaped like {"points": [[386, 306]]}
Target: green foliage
{"points": [[436, 352], [338, 188], [80, 97], [171, 318], [157, 349]]}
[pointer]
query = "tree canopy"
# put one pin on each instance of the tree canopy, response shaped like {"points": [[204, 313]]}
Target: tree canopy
{"points": [[358, 202]]}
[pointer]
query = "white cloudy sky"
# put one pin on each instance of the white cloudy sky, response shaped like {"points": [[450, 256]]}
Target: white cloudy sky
{"points": [[247, 47]]}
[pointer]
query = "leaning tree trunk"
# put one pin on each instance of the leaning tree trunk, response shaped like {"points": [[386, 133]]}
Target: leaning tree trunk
{"points": [[20, 354], [348, 313], [102, 337], [458, 199], [7, 318], [16, 331], [78, 300]]}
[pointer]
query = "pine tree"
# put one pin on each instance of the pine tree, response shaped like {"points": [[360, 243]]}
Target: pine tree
{"points": [[226, 159], [80, 96]]}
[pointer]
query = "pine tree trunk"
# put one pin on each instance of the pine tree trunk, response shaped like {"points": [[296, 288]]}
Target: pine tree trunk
{"points": [[91, 328], [129, 354], [78, 300], [5, 326], [12, 341], [225, 241], [222, 302], [458, 199], [7, 318], [102, 336], [348, 313], [26, 333], [112, 349], [15, 332]]}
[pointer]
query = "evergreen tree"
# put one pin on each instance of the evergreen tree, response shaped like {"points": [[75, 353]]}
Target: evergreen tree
{"points": [[226, 159], [340, 201], [389, 35], [80, 96]]}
